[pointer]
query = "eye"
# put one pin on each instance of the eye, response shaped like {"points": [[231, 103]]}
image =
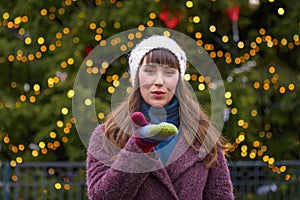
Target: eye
{"points": [[149, 71], [170, 72]]}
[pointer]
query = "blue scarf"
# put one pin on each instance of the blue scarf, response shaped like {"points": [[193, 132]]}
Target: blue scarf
{"points": [[169, 114]]}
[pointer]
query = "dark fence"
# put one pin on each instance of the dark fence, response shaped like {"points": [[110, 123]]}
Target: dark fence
{"points": [[260, 181], [66, 180], [43, 180]]}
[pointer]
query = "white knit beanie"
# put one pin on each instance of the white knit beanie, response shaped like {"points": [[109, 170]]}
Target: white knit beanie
{"points": [[154, 42]]}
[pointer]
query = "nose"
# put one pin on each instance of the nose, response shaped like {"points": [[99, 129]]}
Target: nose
{"points": [[159, 79]]}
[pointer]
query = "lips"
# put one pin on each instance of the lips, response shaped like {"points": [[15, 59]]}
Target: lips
{"points": [[158, 94]]}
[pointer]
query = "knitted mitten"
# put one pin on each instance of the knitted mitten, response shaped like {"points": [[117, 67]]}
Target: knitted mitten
{"points": [[149, 135]]}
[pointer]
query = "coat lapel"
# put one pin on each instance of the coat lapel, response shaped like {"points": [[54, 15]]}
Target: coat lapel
{"points": [[164, 177], [182, 158]]}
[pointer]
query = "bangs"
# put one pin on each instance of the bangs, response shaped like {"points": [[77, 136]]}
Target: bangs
{"points": [[161, 56]]}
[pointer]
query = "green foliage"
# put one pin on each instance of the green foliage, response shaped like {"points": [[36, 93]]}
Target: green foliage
{"points": [[65, 27]]}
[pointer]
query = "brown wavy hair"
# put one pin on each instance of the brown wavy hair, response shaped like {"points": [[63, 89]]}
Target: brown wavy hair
{"points": [[194, 123]]}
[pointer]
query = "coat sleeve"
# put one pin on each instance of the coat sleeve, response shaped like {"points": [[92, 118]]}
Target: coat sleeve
{"points": [[110, 176], [219, 185]]}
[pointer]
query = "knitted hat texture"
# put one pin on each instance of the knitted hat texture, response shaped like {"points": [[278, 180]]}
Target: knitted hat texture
{"points": [[154, 42]]}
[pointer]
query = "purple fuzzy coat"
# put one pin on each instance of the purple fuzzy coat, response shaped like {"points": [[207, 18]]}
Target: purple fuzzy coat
{"points": [[186, 178]]}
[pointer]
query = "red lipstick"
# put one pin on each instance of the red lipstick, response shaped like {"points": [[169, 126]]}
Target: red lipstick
{"points": [[158, 94]]}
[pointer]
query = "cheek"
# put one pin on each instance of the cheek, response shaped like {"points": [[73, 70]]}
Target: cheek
{"points": [[144, 81], [143, 85], [141, 80], [144, 91], [172, 84]]}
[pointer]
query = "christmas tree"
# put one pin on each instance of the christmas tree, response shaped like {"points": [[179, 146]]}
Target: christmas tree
{"points": [[254, 43]]}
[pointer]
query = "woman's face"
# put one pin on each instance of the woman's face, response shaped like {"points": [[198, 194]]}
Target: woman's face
{"points": [[157, 83]]}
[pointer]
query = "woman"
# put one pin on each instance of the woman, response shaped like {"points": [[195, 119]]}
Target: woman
{"points": [[156, 120]]}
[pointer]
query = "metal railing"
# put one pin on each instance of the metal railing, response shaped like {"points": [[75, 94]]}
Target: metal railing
{"points": [[43, 180], [256, 180], [66, 180]]}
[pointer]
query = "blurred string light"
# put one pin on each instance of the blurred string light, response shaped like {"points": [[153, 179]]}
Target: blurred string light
{"points": [[252, 48], [259, 149]]}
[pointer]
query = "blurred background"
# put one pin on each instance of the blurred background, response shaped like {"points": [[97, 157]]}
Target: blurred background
{"points": [[254, 43]]}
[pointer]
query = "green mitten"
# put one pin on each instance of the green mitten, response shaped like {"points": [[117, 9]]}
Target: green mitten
{"points": [[158, 132], [149, 135]]}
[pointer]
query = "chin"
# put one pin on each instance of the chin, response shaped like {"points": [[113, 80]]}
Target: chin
{"points": [[157, 105]]}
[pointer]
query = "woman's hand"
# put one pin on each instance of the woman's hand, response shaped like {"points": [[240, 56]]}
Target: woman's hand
{"points": [[149, 135]]}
